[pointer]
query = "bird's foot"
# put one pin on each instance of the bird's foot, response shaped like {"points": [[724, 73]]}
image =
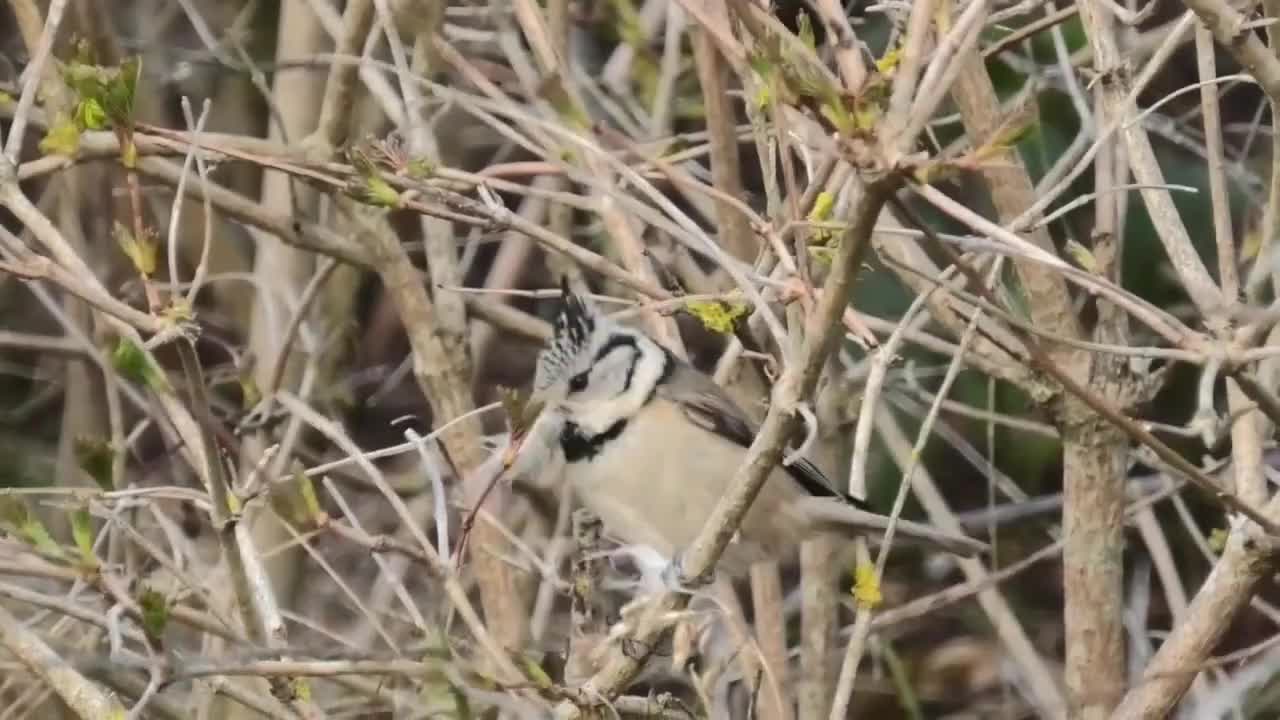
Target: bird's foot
{"points": [[676, 579]]}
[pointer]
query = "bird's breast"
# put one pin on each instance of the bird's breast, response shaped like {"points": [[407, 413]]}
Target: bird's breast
{"points": [[658, 479]]}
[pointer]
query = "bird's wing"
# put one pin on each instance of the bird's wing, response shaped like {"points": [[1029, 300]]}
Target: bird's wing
{"points": [[707, 405]]}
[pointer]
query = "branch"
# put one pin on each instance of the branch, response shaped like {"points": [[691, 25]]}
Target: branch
{"points": [[1228, 28], [82, 696]]}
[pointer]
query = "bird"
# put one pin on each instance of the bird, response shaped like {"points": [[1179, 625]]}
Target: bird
{"points": [[650, 444]]}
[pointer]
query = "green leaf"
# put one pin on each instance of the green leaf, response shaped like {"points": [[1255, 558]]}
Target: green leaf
{"points": [[420, 169], [120, 90], [97, 458], [90, 115], [629, 25], [129, 153], [86, 79], [310, 501], [133, 363], [38, 535], [379, 192], [155, 613], [517, 407], [1082, 255], [62, 138], [717, 316], [301, 689], [13, 512], [1218, 539], [535, 673], [82, 532], [250, 394], [822, 207], [142, 251], [763, 97], [296, 500], [822, 254], [889, 62]]}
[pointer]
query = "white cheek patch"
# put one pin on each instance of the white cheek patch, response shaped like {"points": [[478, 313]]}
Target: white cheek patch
{"points": [[596, 416]]}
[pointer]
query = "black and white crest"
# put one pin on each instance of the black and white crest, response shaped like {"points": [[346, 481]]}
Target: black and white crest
{"points": [[575, 322]]}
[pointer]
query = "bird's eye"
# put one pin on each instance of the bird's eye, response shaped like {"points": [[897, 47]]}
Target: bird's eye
{"points": [[578, 382]]}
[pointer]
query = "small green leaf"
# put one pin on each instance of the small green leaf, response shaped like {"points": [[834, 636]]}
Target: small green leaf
{"points": [[63, 137], [82, 533], [155, 613], [762, 99], [120, 90], [86, 79], [717, 316], [889, 62], [38, 535], [380, 193], [250, 395], [516, 405], [142, 251], [420, 169], [1218, 539], [6, 100], [302, 689], [866, 586], [310, 501], [130, 361], [1082, 255], [822, 254], [822, 207], [535, 673], [90, 115], [13, 512], [133, 363], [129, 153], [629, 25], [461, 703], [296, 500], [97, 458]]}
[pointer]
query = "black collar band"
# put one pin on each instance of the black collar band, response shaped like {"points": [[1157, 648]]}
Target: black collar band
{"points": [[579, 446]]}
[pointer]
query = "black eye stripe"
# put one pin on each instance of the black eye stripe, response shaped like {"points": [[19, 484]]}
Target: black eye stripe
{"points": [[613, 343], [578, 383]]}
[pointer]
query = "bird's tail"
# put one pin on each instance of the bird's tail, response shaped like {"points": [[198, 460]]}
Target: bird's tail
{"points": [[828, 513]]}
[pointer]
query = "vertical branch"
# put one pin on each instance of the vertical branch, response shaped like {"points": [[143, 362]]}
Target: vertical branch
{"points": [[449, 394], [436, 328], [771, 636], [818, 615], [1224, 239], [726, 172], [1116, 83], [1094, 495]]}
